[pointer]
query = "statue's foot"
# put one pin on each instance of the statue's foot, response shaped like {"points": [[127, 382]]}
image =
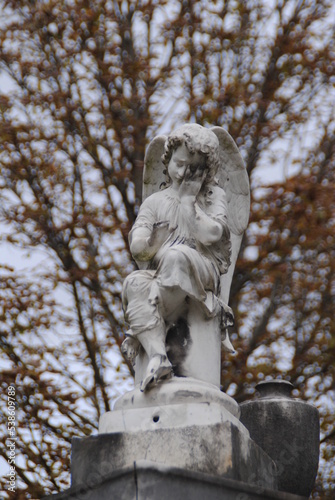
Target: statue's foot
{"points": [[159, 367]]}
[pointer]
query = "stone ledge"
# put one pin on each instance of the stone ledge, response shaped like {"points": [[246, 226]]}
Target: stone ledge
{"points": [[147, 481], [177, 390], [171, 416], [220, 449]]}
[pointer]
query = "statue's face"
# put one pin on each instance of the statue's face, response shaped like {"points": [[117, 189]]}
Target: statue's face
{"points": [[181, 159]]}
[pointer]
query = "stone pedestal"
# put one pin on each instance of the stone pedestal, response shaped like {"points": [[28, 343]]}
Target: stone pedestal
{"points": [[183, 423], [221, 450], [180, 440]]}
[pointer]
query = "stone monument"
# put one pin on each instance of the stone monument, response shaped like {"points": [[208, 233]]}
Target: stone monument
{"points": [[176, 435]]}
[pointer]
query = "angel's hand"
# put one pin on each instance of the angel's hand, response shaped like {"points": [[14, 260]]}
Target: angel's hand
{"points": [[192, 183], [160, 233], [130, 348]]}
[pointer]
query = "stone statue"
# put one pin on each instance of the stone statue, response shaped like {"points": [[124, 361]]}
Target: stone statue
{"points": [[185, 240], [176, 422]]}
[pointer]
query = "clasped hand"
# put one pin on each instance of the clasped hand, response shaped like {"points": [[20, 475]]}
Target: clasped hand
{"points": [[192, 183]]}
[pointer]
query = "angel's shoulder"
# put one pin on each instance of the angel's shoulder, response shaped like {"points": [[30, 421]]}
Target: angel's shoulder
{"points": [[156, 198], [155, 201]]}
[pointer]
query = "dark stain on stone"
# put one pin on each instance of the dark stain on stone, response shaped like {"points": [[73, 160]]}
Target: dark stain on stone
{"points": [[178, 343]]}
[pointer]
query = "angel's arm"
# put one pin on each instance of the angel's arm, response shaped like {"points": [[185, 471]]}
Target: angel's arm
{"points": [[138, 242], [149, 232], [145, 241], [205, 229], [207, 220]]}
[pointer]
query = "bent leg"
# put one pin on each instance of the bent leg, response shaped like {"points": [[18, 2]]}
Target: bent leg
{"points": [[183, 273], [139, 313], [151, 299], [147, 325]]}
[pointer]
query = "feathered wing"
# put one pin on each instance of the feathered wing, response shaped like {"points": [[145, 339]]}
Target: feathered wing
{"points": [[153, 174], [233, 178]]}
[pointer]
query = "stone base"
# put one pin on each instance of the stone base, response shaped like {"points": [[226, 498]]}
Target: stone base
{"points": [[169, 417], [223, 449], [147, 481], [177, 390], [181, 422], [174, 404], [180, 440]]}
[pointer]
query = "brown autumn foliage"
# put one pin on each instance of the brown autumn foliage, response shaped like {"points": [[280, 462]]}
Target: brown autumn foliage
{"points": [[90, 84]]}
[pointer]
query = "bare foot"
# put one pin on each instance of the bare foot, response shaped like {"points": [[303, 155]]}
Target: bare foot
{"points": [[159, 367]]}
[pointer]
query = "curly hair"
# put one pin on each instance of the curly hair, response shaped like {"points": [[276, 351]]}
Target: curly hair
{"points": [[197, 139]]}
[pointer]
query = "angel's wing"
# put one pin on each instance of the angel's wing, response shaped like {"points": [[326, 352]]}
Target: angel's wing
{"points": [[233, 178], [153, 174]]}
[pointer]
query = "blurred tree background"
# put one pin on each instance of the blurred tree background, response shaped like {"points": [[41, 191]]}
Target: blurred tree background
{"points": [[84, 86]]}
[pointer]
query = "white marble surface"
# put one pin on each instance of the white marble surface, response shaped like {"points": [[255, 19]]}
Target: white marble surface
{"points": [[185, 241], [177, 390], [171, 416]]}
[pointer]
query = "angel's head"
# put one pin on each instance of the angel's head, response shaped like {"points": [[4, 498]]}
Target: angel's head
{"points": [[202, 145]]}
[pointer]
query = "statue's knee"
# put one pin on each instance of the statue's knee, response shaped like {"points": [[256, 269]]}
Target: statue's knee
{"points": [[131, 284], [174, 258], [137, 284]]}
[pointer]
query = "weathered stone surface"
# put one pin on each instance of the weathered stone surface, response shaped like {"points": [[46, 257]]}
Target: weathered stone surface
{"points": [[145, 481], [177, 390], [194, 351], [171, 417], [288, 430], [220, 449]]}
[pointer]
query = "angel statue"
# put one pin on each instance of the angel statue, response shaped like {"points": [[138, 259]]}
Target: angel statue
{"points": [[185, 241]]}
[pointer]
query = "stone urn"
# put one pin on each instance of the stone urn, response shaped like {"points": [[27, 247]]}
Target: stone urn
{"points": [[288, 430]]}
